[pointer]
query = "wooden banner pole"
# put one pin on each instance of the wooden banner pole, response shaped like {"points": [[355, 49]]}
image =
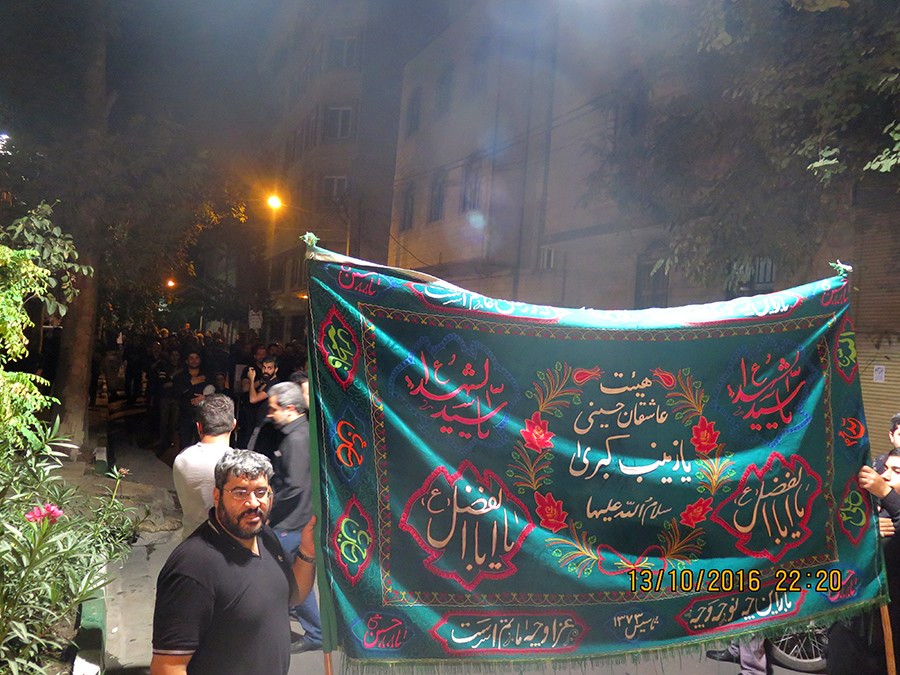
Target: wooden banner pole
{"points": [[327, 656], [888, 641]]}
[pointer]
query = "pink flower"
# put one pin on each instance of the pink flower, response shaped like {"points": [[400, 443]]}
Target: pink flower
{"points": [[52, 512], [696, 512], [48, 511], [550, 511], [536, 434]]}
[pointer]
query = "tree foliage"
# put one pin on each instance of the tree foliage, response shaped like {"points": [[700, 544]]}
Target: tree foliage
{"points": [[775, 109], [56, 541]]}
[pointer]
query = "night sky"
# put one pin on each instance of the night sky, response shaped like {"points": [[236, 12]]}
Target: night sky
{"points": [[193, 61]]}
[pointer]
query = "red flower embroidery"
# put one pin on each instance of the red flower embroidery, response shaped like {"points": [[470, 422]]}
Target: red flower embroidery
{"points": [[582, 375], [537, 436], [696, 512], [550, 511], [664, 377], [705, 436]]}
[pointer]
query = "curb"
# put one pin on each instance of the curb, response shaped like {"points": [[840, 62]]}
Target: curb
{"points": [[91, 638]]}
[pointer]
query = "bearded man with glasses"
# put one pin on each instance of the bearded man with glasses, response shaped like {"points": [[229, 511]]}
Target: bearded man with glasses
{"points": [[222, 597]]}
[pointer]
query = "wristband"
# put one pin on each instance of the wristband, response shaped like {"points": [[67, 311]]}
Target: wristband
{"points": [[311, 559]]}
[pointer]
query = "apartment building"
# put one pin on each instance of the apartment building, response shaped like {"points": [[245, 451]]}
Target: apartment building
{"points": [[507, 117], [337, 71]]}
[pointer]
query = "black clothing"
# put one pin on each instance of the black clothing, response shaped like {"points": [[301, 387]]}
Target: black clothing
{"points": [[292, 504], [226, 606], [185, 390]]}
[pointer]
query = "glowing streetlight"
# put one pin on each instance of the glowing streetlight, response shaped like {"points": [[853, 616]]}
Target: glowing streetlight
{"points": [[274, 202], [170, 283]]}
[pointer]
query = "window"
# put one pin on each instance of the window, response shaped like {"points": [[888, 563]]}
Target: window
{"points": [[276, 274], [650, 290], [343, 52], [408, 208], [471, 185], [338, 122], [547, 258], [758, 276], [445, 90], [414, 111], [438, 192], [334, 189], [297, 271]]}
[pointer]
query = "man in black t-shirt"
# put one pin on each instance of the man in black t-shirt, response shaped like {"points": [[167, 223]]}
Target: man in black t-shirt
{"points": [[222, 596]]}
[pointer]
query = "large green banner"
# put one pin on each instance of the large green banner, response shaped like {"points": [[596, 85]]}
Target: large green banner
{"points": [[505, 481]]}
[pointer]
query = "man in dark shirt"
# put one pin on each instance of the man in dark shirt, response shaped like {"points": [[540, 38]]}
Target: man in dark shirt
{"points": [[222, 597], [292, 504]]}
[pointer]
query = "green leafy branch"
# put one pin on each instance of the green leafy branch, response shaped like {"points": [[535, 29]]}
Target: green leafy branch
{"points": [[52, 250], [688, 402], [678, 547], [715, 472], [551, 390], [577, 554], [527, 473]]}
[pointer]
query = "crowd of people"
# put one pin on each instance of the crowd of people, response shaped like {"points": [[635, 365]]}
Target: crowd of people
{"points": [[232, 423], [171, 372]]}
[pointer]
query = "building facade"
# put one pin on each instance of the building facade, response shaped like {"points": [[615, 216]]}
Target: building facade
{"points": [[508, 117], [337, 75]]}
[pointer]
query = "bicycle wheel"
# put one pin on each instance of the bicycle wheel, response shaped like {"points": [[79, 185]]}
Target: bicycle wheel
{"points": [[803, 652]]}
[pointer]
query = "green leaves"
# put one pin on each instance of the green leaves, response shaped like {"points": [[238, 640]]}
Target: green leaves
{"points": [[49, 566], [51, 251]]}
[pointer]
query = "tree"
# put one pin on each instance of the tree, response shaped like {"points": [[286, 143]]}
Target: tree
{"points": [[787, 105], [134, 195]]}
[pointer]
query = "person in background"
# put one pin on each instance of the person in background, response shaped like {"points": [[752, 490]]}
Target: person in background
{"points": [[165, 372], [189, 386], [193, 468], [292, 503]]}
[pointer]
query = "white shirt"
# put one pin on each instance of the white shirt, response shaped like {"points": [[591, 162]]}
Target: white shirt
{"points": [[194, 475]]}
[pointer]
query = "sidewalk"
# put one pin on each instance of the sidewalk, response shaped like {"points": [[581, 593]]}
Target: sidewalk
{"points": [[130, 595]]}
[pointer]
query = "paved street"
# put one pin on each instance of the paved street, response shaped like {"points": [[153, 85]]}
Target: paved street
{"points": [[130, 595]]}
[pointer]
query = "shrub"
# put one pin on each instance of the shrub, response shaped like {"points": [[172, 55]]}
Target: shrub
{"points": [[55, 541]]}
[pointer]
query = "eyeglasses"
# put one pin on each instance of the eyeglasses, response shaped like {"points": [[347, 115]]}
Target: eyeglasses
{"points": [[243, 494]]}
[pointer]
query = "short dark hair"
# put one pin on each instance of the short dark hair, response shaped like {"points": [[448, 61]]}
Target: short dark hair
{"points": [[289, 393], [242, 464], [271, 359], [895, 422], [216, 414]]}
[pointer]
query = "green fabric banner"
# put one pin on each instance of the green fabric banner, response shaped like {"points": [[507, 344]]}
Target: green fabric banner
{"points": [[506, 481]]}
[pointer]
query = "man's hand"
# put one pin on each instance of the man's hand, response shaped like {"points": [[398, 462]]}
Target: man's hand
{"points": [[886, 527], [870, 480], [251, 374], [308, 538], [305, 572], [169, 664]]}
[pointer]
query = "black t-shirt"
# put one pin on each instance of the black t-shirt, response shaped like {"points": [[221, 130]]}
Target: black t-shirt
{"points": [[226, 606]]}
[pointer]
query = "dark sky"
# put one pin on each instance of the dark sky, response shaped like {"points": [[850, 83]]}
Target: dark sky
{"points": [[194, 61]]}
